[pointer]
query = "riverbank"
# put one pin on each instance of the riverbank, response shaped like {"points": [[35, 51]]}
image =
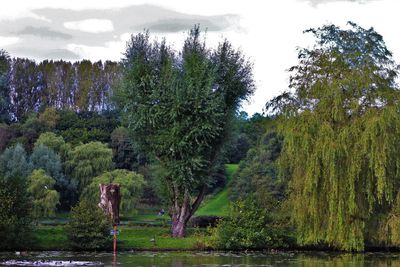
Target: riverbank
{"points": [[130, 238]]}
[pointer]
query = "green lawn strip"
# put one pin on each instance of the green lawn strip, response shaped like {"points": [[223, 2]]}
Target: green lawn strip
{"points": [[158, 238], [136, 238], [49, 238], [230, 171], [146, 216], [218, 205]]}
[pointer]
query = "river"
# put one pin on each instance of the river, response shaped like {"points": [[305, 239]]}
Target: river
{"points": [[178, 259]]}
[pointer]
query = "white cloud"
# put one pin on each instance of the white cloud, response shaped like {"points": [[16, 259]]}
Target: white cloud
{"points": [[110, 51], [6, 40], [90, 25]]}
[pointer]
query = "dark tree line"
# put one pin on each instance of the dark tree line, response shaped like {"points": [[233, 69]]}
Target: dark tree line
{"points": [[27, 86]]}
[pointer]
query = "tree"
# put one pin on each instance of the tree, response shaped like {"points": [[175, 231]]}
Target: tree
{"points": [[88, 228], [14, 163], [178, 107], [45, 198], [48, 119], [46, 159], [5, 136], [50, 153], [30, 131], [341, 129], [15, 213], [54, 142], [26, 85], [5, 103], [15, 205], [88, 161], [131, 188], [125, 154], [257, 173]]}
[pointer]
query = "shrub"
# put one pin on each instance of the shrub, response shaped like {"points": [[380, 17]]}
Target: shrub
{"points": [[15, 209], [88, 228], [247, 227]]}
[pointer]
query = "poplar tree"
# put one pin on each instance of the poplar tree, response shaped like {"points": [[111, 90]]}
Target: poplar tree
{"points": [[341, 129], [5, 104]]}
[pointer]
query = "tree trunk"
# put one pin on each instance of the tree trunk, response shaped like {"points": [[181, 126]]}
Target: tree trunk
{"points": [[182, 212], [178, 228]]}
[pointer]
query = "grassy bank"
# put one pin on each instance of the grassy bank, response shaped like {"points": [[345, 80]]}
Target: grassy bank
{"points": [[218, 205], [136, 238], [143, 230]]}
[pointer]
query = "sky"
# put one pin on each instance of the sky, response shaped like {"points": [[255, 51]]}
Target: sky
{"points": [[267, 32]]}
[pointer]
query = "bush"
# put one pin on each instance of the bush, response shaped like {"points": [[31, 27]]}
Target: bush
{"points": [[247, 227], [15, 209], [88, 228]]}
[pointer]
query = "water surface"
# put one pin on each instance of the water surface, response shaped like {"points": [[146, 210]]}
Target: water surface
{"points": [[178, 259]]}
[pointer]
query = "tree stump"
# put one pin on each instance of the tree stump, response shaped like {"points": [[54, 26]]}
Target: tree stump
{"points": [[110, 198]]}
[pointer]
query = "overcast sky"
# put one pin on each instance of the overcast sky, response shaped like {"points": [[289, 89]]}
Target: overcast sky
{"points": [[268, 32]]}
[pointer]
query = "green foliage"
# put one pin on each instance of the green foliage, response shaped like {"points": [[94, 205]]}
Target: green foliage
{"points": [[80, 86], [45, 158], [125, 154], [45, 198], [88, 161], [14, 163], [5, 103], [5, 136], [88, 228], [247, 227], [178, 107], [15, 220], [245, 134], [341, 129], [30, 131], [131, 185], [55, 142], [385, 230], [257, 174], [85, 127], [48, 119], [49, 153]]}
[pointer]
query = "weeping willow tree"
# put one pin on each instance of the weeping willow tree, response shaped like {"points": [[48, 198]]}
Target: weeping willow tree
{"points": [[341, 127]]}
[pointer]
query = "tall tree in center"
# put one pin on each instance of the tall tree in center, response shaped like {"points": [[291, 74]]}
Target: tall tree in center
{"points": [[178, 107]]}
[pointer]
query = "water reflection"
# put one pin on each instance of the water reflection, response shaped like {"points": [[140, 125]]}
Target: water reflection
{"points": [[177, 259]]}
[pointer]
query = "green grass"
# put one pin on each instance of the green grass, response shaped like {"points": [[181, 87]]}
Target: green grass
{"points": [[146, 217], [140, 238], [137, 238], [50, 238], [218, 205], [51, 235]]}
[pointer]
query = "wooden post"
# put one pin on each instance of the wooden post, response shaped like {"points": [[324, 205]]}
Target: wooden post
{"points": [[115, 245], [115, 239]]}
